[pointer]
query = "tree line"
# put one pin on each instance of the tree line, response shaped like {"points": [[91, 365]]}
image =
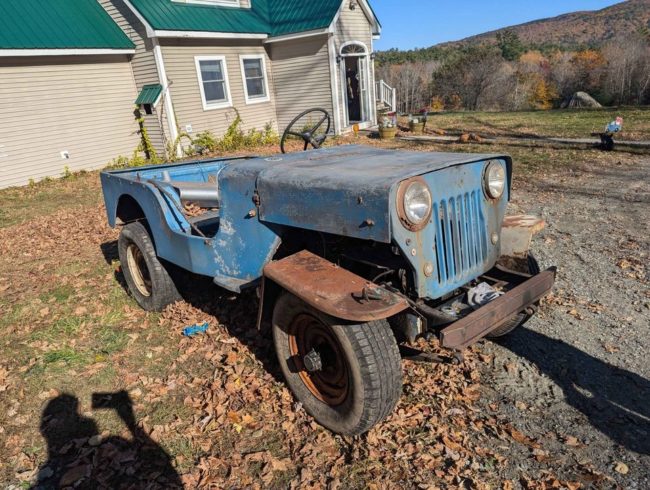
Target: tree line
{"points": [[507, 75]]}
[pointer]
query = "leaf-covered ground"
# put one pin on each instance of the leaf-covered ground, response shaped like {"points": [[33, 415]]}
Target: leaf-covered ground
{"points": [[97, 393]]}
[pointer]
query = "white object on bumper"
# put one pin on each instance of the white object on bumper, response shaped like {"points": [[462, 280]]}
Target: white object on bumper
{"points": [[481, 295]]}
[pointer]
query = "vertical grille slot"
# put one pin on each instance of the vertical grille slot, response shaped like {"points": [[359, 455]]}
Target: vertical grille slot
{"points": [[460, 241]]}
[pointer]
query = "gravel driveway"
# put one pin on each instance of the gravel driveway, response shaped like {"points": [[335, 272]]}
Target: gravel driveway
{"points": [[577, 377]]}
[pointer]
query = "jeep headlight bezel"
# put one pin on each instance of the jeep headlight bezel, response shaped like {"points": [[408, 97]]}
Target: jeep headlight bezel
{"points": [[414, 203], [495, 179]]}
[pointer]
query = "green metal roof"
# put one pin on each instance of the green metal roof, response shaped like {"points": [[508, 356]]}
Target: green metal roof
{"points": [[149, 94], [58, 24], [272, 17]]}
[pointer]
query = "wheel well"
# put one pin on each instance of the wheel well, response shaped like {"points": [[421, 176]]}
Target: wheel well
{"points": [[128, 210]]}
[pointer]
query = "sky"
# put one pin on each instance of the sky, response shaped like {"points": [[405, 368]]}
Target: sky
{"points": [[408, 24]]}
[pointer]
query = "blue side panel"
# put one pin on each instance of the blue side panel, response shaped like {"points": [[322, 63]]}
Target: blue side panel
{"points": [[243, 245], [236, 255], [169, 229], [457, 241]]}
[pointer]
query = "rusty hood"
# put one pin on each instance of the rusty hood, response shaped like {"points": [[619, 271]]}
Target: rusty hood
{"points": [[345, 190]]}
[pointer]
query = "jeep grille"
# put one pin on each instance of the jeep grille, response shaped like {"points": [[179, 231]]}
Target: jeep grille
{"points": [[461, 236]]}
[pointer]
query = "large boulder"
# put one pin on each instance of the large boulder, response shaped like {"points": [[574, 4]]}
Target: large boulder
{"points": [[580, 100]]}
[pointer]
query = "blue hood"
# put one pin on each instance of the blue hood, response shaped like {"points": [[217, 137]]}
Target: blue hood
{"points": [[345, 190]]}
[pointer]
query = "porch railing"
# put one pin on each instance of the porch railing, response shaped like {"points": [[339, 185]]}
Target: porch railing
{"points": [[386, 95]]}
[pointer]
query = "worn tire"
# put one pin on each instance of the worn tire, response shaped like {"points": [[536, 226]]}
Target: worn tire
{"points": [[134, 240], [521, 318], [374, 369]]}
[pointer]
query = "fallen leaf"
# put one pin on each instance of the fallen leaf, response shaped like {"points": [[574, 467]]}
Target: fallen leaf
{"points": [[621, 468]]}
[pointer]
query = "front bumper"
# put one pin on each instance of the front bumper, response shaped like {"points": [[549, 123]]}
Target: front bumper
{"points": [[476, 325]]}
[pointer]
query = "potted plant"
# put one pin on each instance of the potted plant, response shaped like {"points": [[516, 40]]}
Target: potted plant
{"points": [[388, 126], [417, 124]]}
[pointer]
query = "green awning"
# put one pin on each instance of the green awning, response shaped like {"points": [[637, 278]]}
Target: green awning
{"points": [[149, 95]]}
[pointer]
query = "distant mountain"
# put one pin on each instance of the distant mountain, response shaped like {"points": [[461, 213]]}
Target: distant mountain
{"points": [[586, 28]]}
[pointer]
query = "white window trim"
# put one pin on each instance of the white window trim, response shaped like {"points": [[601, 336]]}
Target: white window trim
{"points": [[254, 100], [208, 106], [216, 3]]}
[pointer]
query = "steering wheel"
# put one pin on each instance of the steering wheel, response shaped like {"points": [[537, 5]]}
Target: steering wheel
{"points": [[308, 132]]}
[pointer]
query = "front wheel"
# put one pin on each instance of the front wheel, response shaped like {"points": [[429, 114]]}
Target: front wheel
{"points": [[347, 376], [148, 280]]}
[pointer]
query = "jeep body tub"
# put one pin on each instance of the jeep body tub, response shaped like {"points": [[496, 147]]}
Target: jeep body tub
{"points": [[332, 228]]}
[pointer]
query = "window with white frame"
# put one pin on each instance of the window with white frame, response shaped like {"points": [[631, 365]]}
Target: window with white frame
{"points": [[253, 70], [213, 81]]}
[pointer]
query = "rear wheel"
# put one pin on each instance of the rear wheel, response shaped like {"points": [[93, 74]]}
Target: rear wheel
{"points": [[521, 318], [347, 376], [148, 280]]}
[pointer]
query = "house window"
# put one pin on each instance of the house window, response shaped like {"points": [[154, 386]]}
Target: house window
{"points": [[213, 81], [253, 70]]}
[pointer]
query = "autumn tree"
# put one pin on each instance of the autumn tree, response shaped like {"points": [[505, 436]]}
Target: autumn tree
{"points": [[510, 45]]}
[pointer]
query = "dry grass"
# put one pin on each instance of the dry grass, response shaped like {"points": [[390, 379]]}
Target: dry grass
{"points": [[566, 123]]}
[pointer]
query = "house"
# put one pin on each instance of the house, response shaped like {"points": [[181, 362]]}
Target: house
{"points": [[66, 89], [71, 75]]}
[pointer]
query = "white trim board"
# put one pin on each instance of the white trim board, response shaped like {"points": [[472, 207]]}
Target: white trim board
{"points": [[214, 3], [208, 35], [63, 52], [169, 106], [297, 35]]}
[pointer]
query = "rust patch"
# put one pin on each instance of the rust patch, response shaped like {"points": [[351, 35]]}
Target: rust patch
{"points": [[332, 289], [478, 324], [532, 223]]}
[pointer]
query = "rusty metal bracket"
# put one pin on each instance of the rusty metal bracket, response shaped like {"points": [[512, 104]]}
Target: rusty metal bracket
{"points": [[481, 322], [334, 290]]}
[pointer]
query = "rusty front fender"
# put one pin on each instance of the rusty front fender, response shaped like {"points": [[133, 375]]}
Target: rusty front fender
{"points": [[332, 289]]}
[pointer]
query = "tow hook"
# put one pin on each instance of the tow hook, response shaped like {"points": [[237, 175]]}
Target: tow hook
{"points": [[312, 361]]}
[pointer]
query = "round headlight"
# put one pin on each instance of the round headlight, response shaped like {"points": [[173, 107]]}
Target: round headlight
{"points": [[495, 179], [416, 204]]}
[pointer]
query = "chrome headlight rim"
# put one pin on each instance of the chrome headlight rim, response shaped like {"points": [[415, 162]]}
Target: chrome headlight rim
{"points": [[497, 165], [407, 221]]}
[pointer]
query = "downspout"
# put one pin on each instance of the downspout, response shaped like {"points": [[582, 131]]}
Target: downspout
{"points": [[167, 97]]}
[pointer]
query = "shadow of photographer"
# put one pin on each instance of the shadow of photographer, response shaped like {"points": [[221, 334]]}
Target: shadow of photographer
{"points": [[616, 401], [78, 457]]}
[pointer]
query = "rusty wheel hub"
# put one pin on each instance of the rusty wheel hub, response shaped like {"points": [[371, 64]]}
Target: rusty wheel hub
{"points": [[139, 270], [319, 359]]}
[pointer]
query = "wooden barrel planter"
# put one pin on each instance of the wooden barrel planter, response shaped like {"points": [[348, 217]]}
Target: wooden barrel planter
{"points": [[387, 133]]}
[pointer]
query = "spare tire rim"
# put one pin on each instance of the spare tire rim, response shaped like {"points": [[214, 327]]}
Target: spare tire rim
{"points": [[331, 383], [138, 269]]}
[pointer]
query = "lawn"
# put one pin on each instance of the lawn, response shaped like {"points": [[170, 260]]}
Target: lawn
{"points": [[214, 405], [565, 123]]}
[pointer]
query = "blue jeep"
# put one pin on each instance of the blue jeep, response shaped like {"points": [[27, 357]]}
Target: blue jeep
{"points": [[354, 250]]}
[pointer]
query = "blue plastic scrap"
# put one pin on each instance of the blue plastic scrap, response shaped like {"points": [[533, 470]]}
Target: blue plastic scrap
{"points": [[195, 329]]}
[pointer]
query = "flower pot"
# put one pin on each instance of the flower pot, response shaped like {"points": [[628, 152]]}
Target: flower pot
{"points": [[416, 127], [387, 133]]}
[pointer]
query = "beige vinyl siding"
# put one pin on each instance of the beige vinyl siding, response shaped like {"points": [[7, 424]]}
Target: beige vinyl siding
{"points": [[142, 62], [353, 25], [301, 76], [179, 56], [82, 104]]}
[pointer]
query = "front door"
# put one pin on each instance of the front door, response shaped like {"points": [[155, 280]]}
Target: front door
{"points": [[355, 83]]}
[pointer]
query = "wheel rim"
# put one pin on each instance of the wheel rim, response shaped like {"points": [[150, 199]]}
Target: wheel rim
{"points": [[139, 270], [331, 383]]}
